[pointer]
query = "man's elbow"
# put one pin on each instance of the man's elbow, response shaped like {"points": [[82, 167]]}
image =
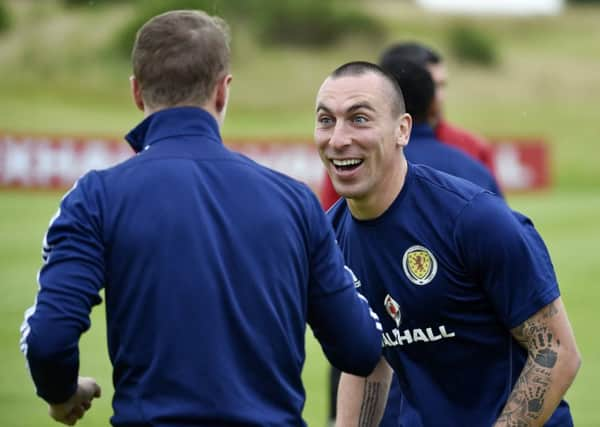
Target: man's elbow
{"points": [[573, 363], [569, 364], [364, 357]]}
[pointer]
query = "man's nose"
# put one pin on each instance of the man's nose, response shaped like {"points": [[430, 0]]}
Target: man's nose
{"points": [[340, 136]]}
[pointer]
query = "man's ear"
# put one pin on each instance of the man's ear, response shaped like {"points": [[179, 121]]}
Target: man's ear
{"points": [[403, 129], [136, 93], [222, 94]]}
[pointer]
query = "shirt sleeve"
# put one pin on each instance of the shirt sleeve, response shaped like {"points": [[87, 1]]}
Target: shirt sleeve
{"points": [[347, 328], [503, 252], [69, 281]]}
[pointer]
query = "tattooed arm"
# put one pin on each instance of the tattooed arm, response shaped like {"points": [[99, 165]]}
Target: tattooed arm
{"points": [[361, 401], [550, 369]]}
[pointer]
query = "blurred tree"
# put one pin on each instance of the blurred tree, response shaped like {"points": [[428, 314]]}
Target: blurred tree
{"points": [[292, 22], [5, 17], [311, 22], [146, 9], [77, 3], [468, 44]]}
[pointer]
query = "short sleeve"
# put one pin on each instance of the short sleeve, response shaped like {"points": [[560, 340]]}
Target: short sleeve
{"points": [[502, 251]]}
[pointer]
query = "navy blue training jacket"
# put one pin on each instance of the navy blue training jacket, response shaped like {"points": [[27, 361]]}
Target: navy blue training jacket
{"points": [[211, 265]]}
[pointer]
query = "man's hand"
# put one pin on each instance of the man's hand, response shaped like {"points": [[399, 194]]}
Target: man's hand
{"points": [[73, 409]]}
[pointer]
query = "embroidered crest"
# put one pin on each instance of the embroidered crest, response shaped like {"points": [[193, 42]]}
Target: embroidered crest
{"points": [[420, 266], [393, 309]]}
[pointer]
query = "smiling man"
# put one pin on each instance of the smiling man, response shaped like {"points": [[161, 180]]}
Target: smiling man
{"points": [[474, 326], [362, 169]]}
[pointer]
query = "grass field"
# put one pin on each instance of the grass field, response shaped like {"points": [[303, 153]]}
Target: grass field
{"points": [[566, 219], [58, 78]]}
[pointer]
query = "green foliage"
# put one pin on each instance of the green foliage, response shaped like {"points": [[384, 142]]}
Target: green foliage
{"points": [[594, 2], [79, 3], [471, 45], [312, 23], [286, 22], [146, 9], [5, 18]]}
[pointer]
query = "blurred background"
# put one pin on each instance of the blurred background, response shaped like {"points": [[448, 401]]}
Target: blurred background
{"points": [[519, 70]]}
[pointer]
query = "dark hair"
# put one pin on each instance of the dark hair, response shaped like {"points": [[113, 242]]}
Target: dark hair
{"points": [[411, 51], [358, 68], [417, 86], [178, 57]]}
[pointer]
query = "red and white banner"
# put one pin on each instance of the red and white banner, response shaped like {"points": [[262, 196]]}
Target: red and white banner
{"points": [[56, 162], [522, 164]]}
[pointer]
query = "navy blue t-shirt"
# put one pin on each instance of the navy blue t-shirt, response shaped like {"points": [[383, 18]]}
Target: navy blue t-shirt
{"points": [[450, 269]]}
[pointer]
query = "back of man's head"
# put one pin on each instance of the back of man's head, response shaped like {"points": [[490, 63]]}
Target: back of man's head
{"points": [[417, 86], [179, 56], [410, 51]]}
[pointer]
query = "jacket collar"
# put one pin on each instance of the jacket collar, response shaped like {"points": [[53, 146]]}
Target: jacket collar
{"points": [[173, 122]]}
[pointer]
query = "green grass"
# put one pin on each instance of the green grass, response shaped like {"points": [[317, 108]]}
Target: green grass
{"points": [[567, 220], [24, 217]]}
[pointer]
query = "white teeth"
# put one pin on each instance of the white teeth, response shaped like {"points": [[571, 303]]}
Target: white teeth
{"points": [[346, 162]]}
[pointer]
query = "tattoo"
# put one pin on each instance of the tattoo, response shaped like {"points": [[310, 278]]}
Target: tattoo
{"points": [[368, 408], [526, 401]]}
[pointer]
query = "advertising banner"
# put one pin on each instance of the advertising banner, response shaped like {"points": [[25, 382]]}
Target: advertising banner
{"points": [[46, 162]]}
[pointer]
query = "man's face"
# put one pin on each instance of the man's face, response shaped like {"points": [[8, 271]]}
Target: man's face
{"points": [[358, 136], [439, 75]]}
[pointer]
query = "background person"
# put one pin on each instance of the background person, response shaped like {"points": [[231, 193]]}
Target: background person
{"points": [[212, 265], [450, 134], [424, 147]]}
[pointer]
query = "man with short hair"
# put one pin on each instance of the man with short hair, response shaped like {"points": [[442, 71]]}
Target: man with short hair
{"points": [[474, 325], [211, 264], [450, 134], [418, 91], [424, 148]]}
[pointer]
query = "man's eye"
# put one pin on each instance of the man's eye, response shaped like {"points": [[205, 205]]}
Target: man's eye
{"points": [[359, 119], [325, 120]]}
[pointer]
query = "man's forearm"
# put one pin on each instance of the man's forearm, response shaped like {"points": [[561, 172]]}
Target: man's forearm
{"points": [[362, 400], [528, 403], [549, 370]]}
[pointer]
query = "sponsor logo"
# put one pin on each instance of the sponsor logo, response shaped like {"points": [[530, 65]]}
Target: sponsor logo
{"points": [[393, 309], [420, 266], [396, 337]]}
